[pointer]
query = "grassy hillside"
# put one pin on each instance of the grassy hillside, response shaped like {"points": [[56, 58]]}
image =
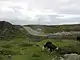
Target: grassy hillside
{"points": [[56, 28], [9, 31], [20, 49], [15, 41]]}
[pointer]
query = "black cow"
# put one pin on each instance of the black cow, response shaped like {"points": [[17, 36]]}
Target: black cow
{"points": [[78, 38], [50, 46]]}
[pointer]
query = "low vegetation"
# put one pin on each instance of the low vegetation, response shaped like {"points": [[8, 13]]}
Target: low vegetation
{"points": [[15, 41], [29, 51]]}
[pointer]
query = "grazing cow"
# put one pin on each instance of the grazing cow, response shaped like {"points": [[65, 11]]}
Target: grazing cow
{"points": [[50, 46], [78, 38]]}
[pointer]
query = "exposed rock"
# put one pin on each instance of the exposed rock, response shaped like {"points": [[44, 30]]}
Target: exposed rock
{"points": [[71, 57], [68, 57], [8, 31]]}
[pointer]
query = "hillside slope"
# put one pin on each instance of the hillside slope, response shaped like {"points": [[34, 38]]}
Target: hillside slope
{"points": [[9, 31], [34, 32], [55, 31], [56, 28]]}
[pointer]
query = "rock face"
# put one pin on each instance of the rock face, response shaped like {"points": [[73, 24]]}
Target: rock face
{"points": [[68, 57], [71, 57], [66, 35], [8, 31]]}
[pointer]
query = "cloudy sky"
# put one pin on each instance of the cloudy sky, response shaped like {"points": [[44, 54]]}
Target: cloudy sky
{"points": [[43, 12]]}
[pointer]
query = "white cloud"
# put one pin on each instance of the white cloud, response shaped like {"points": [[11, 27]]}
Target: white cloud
{"points": [[68, 16], [40, 11]]}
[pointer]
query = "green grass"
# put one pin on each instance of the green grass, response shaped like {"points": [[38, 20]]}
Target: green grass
{"points": [[59, 43], [32, 52]]}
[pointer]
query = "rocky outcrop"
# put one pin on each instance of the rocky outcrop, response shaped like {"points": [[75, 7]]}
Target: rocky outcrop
{"points": [[8, 31], [68, 57]]}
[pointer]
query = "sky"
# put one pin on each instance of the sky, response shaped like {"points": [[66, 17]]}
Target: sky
{"points": [[41, 12]]}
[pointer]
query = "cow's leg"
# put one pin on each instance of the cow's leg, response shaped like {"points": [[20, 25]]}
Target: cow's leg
{"points": [[50, 49], [42, 49]]}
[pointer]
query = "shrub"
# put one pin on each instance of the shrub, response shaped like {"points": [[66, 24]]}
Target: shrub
{"points": [[70, 49], [7, 46], [35, 59], [1, 58], [35, 55], [7, 52], [25, 45]]}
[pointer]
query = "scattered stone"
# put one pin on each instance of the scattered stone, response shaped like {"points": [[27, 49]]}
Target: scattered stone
{"points": [[68, 57]]}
